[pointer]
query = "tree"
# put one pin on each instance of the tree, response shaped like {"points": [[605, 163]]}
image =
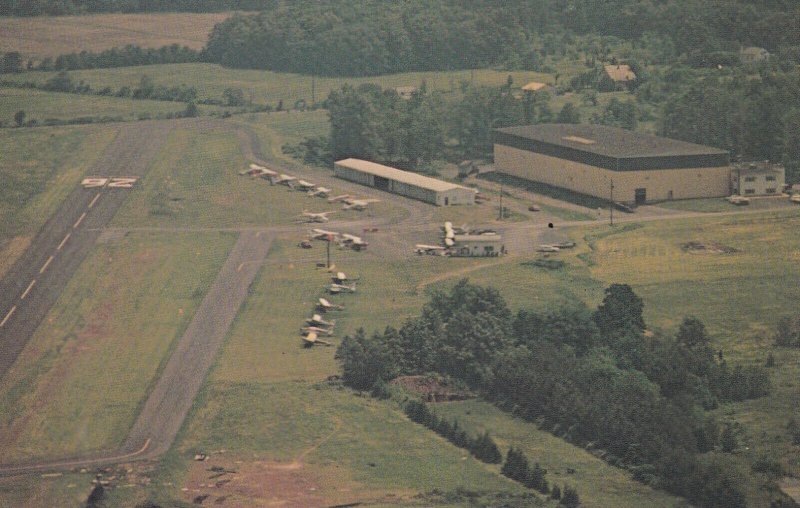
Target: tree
{"points": [[191, 110], [693, 338], [11, 63], [364, 361], [233, 96], [61, 82], [569, 497], [19, 118], [536, 479], [621, 310], [728, 439], [555, 493], [515, 466], [96, 497], [569, 114]]}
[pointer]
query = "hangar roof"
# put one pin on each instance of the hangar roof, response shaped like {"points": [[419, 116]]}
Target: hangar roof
{"points": [[399, 175], [610, 147]]}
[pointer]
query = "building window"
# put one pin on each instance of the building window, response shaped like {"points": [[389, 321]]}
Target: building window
{"points": [[749, 179], [770, 191], [749, 191], [770, 178]]}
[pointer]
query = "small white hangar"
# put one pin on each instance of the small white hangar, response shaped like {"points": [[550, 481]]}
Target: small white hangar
{"points": [[404, 183]]}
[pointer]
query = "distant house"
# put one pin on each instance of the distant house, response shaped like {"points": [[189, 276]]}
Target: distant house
{"points": [[535, 86], [406, 92], [620, 75], [753, 55], [757, 179]]}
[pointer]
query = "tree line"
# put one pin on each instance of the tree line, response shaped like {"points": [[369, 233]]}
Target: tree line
{"points": [[66, 7], [361, 38], [591, 377]]}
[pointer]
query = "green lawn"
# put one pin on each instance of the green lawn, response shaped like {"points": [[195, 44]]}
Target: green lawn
{"points": [[78, 383], [598, 484], [40, 106], [266, 87], [38, 168]]}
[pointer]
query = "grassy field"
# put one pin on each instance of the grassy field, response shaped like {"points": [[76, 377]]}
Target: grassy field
{"points": [[78, 383], [38, 169], [41, 36], [195, 184], [266, 87], [598, 484], [41, 106]]}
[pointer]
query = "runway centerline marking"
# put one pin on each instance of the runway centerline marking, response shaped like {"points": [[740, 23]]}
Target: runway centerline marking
{"points": [[63, 241], [80, 219], [45, 265], [30, 286], [8, 315], [97, 196]]}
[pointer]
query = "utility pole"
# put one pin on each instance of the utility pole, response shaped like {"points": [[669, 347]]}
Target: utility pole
{"points": [[501, 203], [611, 209], [313, 89]]}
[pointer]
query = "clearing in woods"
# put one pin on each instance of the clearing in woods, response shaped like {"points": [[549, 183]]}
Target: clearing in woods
{"points": [[42, 36]]}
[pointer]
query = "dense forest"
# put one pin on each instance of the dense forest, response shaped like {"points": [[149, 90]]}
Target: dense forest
{"points": [[359, 38], [594, 377], [64, 7]]}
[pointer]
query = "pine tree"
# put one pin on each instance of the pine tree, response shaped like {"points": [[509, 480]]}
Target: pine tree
{"points": [[536, 479], [728, 439], [516, 466], [555, 493], [570, 498]]}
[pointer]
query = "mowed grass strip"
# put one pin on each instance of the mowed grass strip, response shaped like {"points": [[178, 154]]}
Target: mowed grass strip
{"points": [[195, 184], [40, 106], [41, 36], [598, 483], [738, 295], [267, 87], [77, 385], [38, 168]]}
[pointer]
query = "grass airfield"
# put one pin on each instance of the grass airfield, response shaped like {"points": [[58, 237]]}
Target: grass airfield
{"points": [[265, 409]]}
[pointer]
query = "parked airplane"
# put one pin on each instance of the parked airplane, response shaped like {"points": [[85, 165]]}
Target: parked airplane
{"points": [[284, 179], [358, 204], [317, 217], [319, 191], [312, 340], [341, 278], [324, 306], [795, 198], [316, 320], [341, 288], [322, 234], [354, 242], [547, 248], [316, 329], [302, 185], [433, 250], [338, 198]]}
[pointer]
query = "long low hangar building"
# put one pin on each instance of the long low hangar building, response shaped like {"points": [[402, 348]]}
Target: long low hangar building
{"points": [[405, 183], [588, 158]]}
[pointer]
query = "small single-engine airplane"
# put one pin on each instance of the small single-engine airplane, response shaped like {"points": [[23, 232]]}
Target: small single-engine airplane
{"points": [[283, 179], [302, 185], [324, 305], [312, 340], [354, 242], [317, 217], [358, 204], [316, 320], [433, 250], [341, 288], [341, 197], [321, 192], [323, 234], [316, 329]]}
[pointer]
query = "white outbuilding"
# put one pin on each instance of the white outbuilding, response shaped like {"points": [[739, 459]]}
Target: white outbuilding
{"points": [[404, 183]]}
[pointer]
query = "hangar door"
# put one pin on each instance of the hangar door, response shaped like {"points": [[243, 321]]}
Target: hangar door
{"points": [[382, 183], [641, 196]]}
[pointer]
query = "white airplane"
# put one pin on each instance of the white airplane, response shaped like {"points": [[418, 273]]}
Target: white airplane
{"points": [[302, 185], [449, 242], [795, 198], [317, 217], [338, 198], [312, 340], [434, 250], [324, 305], [354, 242], [547, 248], [341, 278], [358, 204], [323, 234], [256, 170], [319, 191], [316, 320], [306, 330], [341, 288], [284, 179]]}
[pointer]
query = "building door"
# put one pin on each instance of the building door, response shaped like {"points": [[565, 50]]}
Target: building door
{"points": [[669, 195], [446, 201], [641, 196], [382, 183]]}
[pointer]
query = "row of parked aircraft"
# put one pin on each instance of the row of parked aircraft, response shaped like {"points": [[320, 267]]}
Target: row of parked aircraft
{"points": [[317, 326]]}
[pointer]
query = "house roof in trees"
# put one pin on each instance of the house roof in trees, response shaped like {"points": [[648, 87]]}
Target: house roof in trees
{"points": [[534, 86], [398, 175], [620, 72], [610, 147]]}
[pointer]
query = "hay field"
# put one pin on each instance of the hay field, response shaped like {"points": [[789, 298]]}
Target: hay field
{"points": [[38, 37]]}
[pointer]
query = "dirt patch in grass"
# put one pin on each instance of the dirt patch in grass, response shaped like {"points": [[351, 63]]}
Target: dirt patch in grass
{"points": [[707, 248], [431, 389]]}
